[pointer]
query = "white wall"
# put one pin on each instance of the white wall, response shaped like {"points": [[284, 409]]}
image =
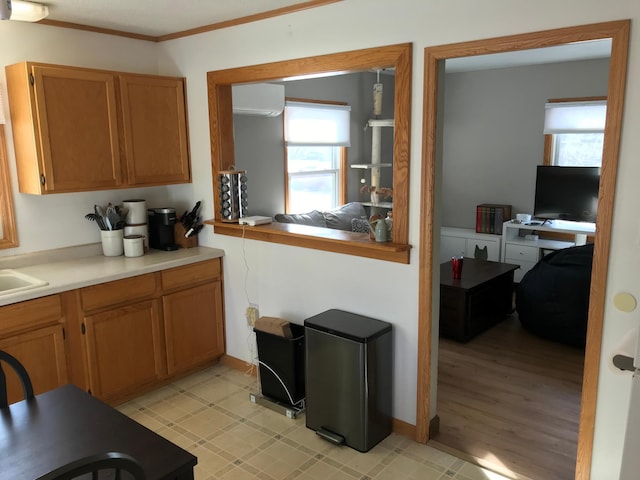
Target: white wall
{"points": [[295, 282]]}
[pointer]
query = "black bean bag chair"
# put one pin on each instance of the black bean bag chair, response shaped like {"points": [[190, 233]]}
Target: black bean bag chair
{"points": [[552, 299]]}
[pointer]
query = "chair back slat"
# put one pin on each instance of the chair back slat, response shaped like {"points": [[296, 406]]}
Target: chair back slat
{"points": [[117, 462], [23, 375]]}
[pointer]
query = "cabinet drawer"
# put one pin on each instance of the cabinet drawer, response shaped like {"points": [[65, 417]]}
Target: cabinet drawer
{"points": [[521, 252], [118, 292], [31, 313], [190, 274]]}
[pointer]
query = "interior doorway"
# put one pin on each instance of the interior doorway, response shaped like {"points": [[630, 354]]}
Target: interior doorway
{"points": [[618, 32]]}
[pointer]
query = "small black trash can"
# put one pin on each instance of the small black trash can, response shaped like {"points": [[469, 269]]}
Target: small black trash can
{"points": [[281, 362]]}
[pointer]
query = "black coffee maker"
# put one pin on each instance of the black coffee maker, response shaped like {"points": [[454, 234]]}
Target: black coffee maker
{"points": [[161, 225]]}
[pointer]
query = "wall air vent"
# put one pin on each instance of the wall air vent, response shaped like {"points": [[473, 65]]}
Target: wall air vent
{"points": [[259, 99]]}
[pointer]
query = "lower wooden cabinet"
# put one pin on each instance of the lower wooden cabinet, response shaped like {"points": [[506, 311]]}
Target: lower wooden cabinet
{"points": [[122, 337], [192, 333], [141, 330], [32, 331], [124, 349]]}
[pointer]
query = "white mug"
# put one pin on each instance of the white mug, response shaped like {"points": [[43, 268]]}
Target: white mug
{"points": [[142, 229], [133, 245]]}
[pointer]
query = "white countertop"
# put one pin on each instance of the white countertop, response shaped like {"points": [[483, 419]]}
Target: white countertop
{"points": [[63, 271]]}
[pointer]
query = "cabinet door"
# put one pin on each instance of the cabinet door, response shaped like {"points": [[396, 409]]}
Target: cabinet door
{"points": [[78, 129], [43, 355], [193, 326], [155, 130], [124, 349]]}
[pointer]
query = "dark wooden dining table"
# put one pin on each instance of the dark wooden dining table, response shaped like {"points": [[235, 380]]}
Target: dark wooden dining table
{"points": [[65, 424]]}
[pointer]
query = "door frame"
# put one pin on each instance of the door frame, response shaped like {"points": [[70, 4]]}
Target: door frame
{"points": [[618, 32]]}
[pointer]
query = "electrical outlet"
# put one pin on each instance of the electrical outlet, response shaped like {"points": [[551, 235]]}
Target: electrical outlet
{"points": [[252, 315]]}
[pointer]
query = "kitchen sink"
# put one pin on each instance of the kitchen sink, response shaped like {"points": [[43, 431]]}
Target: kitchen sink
{"points": [[12, 281]]}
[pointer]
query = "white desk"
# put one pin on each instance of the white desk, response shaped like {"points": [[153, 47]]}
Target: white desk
{"points": [[526, 253]]}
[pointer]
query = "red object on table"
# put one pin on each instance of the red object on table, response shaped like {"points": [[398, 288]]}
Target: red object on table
{"points": [[456, 267]]}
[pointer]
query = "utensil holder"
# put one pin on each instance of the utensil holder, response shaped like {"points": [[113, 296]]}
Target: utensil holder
{"points": [[112, 242], [181, 240]]}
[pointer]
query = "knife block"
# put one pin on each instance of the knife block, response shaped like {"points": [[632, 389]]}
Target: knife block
{"points": [[181, 240]]}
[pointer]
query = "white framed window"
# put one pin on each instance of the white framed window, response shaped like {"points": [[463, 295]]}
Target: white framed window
{"points": [[316, 136], [574, 132], [577, 149], [313, 178]]}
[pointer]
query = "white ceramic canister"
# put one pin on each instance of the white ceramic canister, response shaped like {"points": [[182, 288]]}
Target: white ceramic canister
{"points": [[142, 229], [136, 211], [133, 245], [112, 245]]}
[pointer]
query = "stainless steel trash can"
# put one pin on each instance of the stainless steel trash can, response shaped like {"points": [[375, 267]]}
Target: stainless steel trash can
{"points": [[349, 361]]}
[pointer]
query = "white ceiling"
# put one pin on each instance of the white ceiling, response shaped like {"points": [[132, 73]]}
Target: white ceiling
{"points": [[158, 17], [564, 53]]}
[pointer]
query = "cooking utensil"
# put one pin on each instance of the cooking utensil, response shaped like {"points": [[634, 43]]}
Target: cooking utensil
{"points": [[99, 211], [94, 218], [113, 217]]}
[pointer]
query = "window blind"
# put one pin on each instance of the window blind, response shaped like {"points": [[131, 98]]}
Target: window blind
{"points": [[575, 117], [316, 124]]}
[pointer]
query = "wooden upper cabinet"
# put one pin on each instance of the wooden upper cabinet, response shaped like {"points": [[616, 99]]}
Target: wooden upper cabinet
{"points": [[78, 129], [65, 128], [155, 129]]}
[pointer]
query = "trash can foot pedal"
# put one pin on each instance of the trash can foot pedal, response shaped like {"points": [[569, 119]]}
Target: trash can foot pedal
{"points": [[330, 436], [287, 410]]}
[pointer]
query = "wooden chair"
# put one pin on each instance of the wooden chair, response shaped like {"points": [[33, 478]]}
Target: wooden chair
{"points": [[13, 362], [113, 464]]}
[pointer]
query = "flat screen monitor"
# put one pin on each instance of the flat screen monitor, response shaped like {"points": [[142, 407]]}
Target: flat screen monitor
{"points": [[567, 193]]}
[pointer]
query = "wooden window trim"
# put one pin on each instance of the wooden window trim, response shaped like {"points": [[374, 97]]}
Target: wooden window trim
{"points": [[222, 148], [547, 158], [9, 237]]}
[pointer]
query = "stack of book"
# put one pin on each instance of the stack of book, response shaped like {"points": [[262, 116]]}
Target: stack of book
{"points": [[490, 217]]}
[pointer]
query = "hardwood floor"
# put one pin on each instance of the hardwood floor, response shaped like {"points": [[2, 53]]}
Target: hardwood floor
{"points": [[510, 401]]}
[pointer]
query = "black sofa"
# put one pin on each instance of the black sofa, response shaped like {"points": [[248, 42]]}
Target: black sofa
{"points": [[552, 299]]}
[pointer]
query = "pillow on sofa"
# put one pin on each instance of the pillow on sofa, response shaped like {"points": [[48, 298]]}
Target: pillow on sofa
{"points": [[340, 218], [360, 225], [313, 218]]}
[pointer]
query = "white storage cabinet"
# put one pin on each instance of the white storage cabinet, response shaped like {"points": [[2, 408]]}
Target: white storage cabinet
{"points": [[455, 241]]}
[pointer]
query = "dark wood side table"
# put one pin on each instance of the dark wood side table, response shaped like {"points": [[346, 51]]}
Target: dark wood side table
{"points": [[65, 424], [481, 298]]}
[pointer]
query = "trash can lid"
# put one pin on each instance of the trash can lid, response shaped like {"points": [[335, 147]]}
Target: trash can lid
{"points": [[349, 325]]}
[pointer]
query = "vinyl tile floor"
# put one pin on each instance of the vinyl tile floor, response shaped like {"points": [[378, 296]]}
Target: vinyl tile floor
{"points": [[210, 414]]}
